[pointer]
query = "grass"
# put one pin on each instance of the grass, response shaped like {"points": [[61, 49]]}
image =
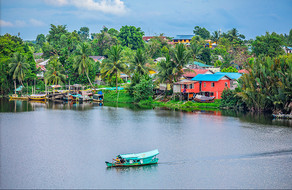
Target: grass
{"points": [[121, 97], [188, 106]]}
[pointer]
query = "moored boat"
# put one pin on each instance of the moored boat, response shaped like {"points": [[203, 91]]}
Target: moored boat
{"points": [[98, 97], [204, 99], [39, 97], [139, 159], [18, 98], [282, 116]]}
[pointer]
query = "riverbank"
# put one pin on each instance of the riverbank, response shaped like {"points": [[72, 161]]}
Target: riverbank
{"points": [[123, 97]]}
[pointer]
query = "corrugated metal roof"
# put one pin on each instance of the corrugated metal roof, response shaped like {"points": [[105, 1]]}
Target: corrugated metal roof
{"points": [[231, 75], [209, 77], [186, 81], [194, 73], [140, 155], [183, 37]]}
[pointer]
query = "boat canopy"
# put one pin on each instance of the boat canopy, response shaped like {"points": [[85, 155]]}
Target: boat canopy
{"points": [[140, 155]]}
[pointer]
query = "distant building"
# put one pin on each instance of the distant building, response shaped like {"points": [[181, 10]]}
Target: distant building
{"points": [[198, 65], [287, 49], [147, 38], [186, 39], [97, 58], [159, 59]]}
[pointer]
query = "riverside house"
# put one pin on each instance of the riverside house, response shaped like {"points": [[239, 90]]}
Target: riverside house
{"points": [[203, 84], [212, 85]]}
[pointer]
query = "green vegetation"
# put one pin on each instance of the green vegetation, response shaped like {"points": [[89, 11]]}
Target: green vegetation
{"points": [[267, 87], [188, 105], [121, 97]]}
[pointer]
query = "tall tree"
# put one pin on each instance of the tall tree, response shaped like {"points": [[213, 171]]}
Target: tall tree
{"points": [[215, 36], [114, 65], [139, 63], [268, 45], [18, 67], [203, 32], [196, 50], [40, 40], [131, 36], [55, 72], [83, 33], [54, 36], [181, 56], [82, 62], [166, 70]]}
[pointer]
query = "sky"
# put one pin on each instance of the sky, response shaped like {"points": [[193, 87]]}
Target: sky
{"points": [[171, 17]]}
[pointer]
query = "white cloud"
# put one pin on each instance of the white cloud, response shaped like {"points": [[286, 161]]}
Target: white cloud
{"points": [[35, 22], [116, 7], [4, 23], [19, 23]]}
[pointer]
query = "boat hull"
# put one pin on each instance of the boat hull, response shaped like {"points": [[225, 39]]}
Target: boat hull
{"points": [[109, 164], [18, 98], [203, 101]]}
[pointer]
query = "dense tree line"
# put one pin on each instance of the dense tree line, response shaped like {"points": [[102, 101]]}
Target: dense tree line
{"points": [[126, 52]]}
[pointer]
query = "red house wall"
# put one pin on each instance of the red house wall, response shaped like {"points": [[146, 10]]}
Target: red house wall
{"points": [[195, 89], [217, 89]]}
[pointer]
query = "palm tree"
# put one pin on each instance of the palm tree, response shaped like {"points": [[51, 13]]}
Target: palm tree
{"points": [[180, 56], [196, 50], [166, 68], [18, 67], [114, 65], [215, 36], [233, 34], [82, 62], [138, 64], [55, 72]]}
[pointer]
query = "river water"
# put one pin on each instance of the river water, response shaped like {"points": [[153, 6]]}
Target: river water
{"points": [[66, 146]]}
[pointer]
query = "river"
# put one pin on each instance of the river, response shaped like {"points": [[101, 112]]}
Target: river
{"points": [[66, 145]]}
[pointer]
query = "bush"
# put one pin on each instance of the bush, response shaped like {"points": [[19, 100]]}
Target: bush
{"points": [[230, 99], [144, 89]]}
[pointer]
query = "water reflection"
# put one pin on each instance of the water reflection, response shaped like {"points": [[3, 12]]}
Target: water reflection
{"points": [[147, 168], [7, 105]]}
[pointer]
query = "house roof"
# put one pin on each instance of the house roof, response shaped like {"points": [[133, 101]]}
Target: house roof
{"points": [[44, 62], [190, 74], [290, 48], [99, 58], [243, 71], [202, 64], [183, 37], [208, 77], [231, 75], [185, 81], [38, 54], [43, 68]]}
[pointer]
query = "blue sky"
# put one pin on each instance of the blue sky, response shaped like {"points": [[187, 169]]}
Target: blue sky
{"points": [[171, 17]]}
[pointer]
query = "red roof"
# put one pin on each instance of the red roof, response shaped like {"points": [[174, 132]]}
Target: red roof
{"points": [[243, 71], [189, 74], [146, 38], [43, 68]]}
